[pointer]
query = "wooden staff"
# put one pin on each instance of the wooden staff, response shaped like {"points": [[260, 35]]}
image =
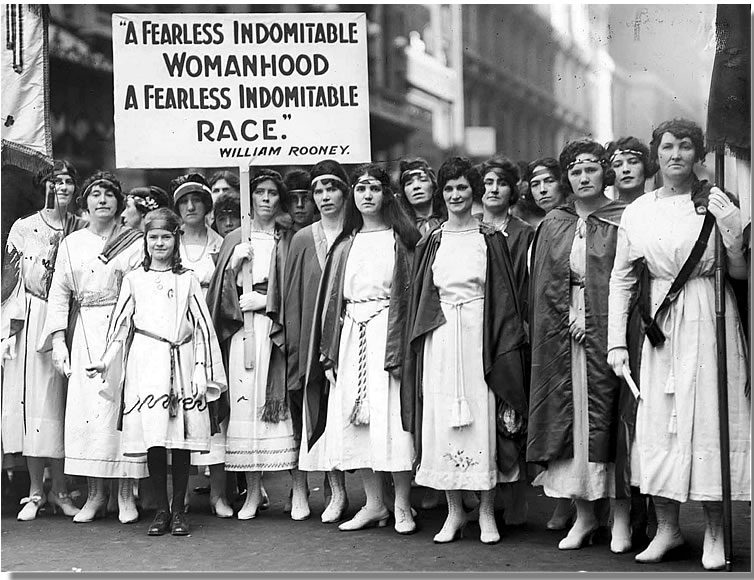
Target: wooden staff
{"points": [[722, 369], [249, 352]]}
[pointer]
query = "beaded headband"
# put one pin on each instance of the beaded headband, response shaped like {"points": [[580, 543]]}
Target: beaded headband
{"points": [[584, 162], [328, 176], [106, 182], [638, 154], [369, 180]]}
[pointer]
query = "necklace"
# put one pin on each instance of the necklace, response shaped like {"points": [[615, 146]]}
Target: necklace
{"points": [[373, 231], [201, 255], [49, 225], [105, 237]]}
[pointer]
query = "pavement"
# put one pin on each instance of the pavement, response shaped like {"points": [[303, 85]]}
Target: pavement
{"points": [[272, 542]]}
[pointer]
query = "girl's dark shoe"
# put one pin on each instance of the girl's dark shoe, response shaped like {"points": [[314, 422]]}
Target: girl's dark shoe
{"points": [[160, 524], [180, 526]]}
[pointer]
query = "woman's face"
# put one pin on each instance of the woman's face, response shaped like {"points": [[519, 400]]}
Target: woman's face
{"points": [[586, 176], [497, 193], [191, 208], [458, 196], [329, 199], [160, 245], [63, 186], [101, 203], [131, 216], [302, 210], [226, 222], [222, 186], [418, 188], [368, 195], [545, 189], [265, 199], [629, 172], [676, 156]]}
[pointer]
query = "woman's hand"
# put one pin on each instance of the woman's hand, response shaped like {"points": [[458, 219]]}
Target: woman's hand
{"points": [[95, 368], [727, 215], [577, 331], [252, 301], [241, 252], [617, 358], [8, 348], [199, 382], [60, 358]]}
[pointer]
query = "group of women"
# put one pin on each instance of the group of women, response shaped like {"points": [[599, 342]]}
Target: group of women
{"points": [[422, 334]]}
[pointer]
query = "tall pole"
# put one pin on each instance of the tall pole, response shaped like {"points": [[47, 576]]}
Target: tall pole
{"points": [[722, 369]]}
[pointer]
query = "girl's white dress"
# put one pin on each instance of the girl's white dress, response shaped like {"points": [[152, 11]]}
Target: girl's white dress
{"points": [[459, 457], [676, 450], [253, 444], [93, 445], [163, 327], [382, 444]]}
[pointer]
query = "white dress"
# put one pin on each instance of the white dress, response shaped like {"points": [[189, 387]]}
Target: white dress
{"points": [[203, 266], [458, 454], [160, 308], [382, 444], [92, 440], [33, 394], [577, 477], [676, 450], [253, 444]]}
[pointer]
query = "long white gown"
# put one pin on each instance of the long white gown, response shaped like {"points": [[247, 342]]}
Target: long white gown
{"points": [[676, 451], [253, 444], [92, 440], [33, 393], [382, 444], [577, 477], [458, 457]]}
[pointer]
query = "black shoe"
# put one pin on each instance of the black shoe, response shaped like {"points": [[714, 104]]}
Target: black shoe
{"points": [[180, 525], [160, 524]]}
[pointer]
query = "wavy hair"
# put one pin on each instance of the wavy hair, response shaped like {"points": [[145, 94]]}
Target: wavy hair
{"points": [[457, 167], [633, 144], [575, 148], [679, 128], [109, 182], [438, 205]]}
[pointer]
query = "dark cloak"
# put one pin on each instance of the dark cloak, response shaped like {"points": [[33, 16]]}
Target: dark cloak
{"points": [[519, 237], [551, 398], [224, 307], [504, 340], [328, 324]]}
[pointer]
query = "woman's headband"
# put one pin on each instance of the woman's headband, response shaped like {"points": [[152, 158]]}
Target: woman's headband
{"points": [[190, 187], [638, 154], [575, 162], [109, 184], [329, 177]]}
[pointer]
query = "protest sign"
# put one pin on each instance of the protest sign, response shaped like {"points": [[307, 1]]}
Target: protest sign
{"points": [[219, 90]]}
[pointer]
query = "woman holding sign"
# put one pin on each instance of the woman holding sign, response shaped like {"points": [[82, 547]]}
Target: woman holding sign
{"points": [[358, 336], [260, 431], [676, 451], [89, 268]]}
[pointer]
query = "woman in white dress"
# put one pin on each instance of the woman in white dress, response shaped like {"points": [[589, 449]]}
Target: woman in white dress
{"points": [[467, 339], [260, 434], [33, 405], [89, 268], [199, 248], [162, 332], [358, 335], [676, 451]]}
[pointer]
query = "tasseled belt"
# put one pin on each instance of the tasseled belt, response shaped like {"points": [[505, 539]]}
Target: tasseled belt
{"points": [[175, 359], [360, 412], [461, 412]]}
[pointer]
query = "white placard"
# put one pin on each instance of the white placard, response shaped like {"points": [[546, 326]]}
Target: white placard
{"points": [[220, 90]]}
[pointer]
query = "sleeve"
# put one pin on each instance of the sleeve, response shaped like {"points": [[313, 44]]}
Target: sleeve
{"points": [[58, 300], [206, 347], [121, 326], [13, 311], [121, 320], [623, 281]]}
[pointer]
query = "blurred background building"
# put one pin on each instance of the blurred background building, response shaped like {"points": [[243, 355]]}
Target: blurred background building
{"points": [[474, 79]]}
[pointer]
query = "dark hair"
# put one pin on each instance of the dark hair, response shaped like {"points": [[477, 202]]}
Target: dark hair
{"points": [[457, 167], [263, 174], [297, 179], [438, 205], [634, 144], [331, 167], [174, 225], [227, 203], [548, 162], [391, 210], [508, 170], [58, 167], [230, 177], [154, 195], [109, 182], [575, 148], [191, 178], [679, 128]]}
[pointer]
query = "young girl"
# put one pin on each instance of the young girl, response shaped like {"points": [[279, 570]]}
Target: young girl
{"points": [[173, 367]]}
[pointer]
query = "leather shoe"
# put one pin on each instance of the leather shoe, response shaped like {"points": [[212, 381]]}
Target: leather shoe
{"points": [[160, 524], [180, 526]]}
